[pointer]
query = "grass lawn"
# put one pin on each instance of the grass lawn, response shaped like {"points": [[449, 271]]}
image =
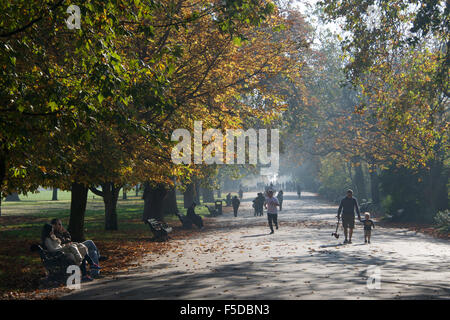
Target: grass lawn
{"points": [[21, 223]]}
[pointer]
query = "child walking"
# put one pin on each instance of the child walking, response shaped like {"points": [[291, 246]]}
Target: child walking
{"points": [[368, 225]]}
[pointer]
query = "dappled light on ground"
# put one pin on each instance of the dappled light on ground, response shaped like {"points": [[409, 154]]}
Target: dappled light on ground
{"points": [[236, 258]]}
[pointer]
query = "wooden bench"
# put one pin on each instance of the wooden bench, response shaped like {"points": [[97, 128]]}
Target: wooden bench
{"points": [[55, 263], [159, 229], [212, 211]]}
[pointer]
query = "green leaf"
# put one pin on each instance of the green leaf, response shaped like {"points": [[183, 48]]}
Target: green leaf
{"points": [[53, 106], [237, 41]]}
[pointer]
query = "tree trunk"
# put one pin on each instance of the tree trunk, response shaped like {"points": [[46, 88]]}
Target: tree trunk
{"points": [[2, 178], [197, 192], [12, 197], [189, 195], [359, 179], [137, 190], [350, 174], [77, 211], [147, 201], [153, 201], [124, 196], [374, 184], [441, 174], [170, 202], [208, 195], [110, 197], [436, 189], [55, 194]]}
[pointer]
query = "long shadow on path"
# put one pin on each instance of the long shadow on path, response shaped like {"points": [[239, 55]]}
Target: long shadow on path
{"points": [[313, 264], [291, 278]]}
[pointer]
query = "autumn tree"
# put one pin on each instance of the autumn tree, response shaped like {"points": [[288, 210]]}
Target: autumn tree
{"points": [[396, 114]]}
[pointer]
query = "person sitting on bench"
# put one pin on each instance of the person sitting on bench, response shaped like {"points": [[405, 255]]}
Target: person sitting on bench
{"points": [[195, 218], [77, 251], [62, 234]]}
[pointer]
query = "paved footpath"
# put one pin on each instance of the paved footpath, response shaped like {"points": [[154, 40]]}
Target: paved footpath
{"points": [[236, 258]]}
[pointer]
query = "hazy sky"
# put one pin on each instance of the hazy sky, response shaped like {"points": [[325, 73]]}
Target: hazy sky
{"points": [[307, 7]]}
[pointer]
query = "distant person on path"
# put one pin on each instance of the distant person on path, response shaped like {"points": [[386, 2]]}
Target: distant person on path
{"points": [[368, 225], [299, 191], [195, 218], [228, 200], [236, 204], [258, 204], [254, 206], [62, 234], [280, 198], [268, 188], [271, 204], [241, 193], [347, 207]]}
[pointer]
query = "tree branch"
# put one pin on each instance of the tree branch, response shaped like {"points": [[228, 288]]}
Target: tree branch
{"points": [[96, 191], [29, 24]]}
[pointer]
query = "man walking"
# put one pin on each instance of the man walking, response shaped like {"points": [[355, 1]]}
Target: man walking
{"points": [[236, 204], [280, 198], [271, 206], [299, 190], [258, 204], [347, 207], [228, 200]]}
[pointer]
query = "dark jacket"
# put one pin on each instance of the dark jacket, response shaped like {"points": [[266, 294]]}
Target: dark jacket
{"points": [[258, 202], [347, 207], [280, 197], [368, 224]]}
